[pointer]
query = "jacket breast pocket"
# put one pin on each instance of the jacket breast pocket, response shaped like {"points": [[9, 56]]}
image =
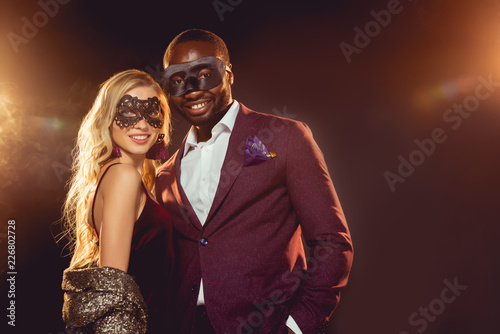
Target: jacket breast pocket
{"points": [[263, 167]]}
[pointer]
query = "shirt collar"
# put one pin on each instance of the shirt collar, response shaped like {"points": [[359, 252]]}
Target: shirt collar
{"points": [[226, 122]]}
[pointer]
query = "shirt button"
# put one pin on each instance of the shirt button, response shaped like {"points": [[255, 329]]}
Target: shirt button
{"points": [[204, 179], [204, 242]]}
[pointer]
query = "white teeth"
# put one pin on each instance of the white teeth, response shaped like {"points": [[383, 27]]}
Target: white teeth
{"points": [[198, 106], [140, 137]]}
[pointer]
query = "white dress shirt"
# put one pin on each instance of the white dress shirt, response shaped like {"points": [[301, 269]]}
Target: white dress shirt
{"points": [[200, 172]]}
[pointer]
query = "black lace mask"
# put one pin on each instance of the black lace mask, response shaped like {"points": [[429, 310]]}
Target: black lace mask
{"points": [[130, 110]]}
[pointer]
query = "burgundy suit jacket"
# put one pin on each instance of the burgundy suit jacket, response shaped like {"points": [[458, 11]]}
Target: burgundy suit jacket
{"points": [[249, 251]]}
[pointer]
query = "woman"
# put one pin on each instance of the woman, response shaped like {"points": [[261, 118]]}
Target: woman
{"points": [[121, 238]]}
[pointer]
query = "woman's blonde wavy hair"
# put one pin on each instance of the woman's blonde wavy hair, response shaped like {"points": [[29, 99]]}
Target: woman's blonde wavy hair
{"points": [[93, 150]]}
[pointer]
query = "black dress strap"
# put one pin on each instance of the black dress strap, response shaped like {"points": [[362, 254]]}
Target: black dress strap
{"points": [[95, 196]]}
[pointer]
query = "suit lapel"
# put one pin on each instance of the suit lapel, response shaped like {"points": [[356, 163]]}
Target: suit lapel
{"points": [[233, 162]]}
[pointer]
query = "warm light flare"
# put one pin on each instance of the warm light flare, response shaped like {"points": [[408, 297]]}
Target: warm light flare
{"points": [[428, 97]]}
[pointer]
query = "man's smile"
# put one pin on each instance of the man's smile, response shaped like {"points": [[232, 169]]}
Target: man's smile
{"points": [[198, 106]]}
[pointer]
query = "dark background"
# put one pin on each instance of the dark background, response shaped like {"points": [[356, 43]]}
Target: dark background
{"points": [[440, 224]]}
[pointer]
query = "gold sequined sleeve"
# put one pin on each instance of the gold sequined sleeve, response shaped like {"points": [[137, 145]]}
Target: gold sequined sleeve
{"points": [[102, 300]]}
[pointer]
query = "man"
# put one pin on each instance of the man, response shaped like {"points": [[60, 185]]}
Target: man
{"points": [[242, 189]]}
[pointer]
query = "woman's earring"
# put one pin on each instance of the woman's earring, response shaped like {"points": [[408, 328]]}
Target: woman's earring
{"points": [[116, 151], [158, 151]]}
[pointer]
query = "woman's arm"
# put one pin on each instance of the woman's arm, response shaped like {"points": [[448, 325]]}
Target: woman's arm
{"points": [[121, 194]]}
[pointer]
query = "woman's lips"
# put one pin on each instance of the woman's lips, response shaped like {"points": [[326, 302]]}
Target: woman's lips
{"points": [[140, 139]]}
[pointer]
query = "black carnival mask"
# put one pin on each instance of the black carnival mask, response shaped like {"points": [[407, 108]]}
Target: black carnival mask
{"points": [[201, 74], [130, 110]]}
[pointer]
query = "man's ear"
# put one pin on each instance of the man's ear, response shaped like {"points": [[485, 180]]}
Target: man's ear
{"points": [[231, 74]]}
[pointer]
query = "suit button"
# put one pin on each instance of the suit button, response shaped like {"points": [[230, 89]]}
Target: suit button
{"points": [[204, 242], [194, 288]]}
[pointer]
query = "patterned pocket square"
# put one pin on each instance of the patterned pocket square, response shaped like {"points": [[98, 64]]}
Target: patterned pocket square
{"points": [[256, 152]]}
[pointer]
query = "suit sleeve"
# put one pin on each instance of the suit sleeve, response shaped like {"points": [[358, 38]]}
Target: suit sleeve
{"points": [[324, 229]]}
